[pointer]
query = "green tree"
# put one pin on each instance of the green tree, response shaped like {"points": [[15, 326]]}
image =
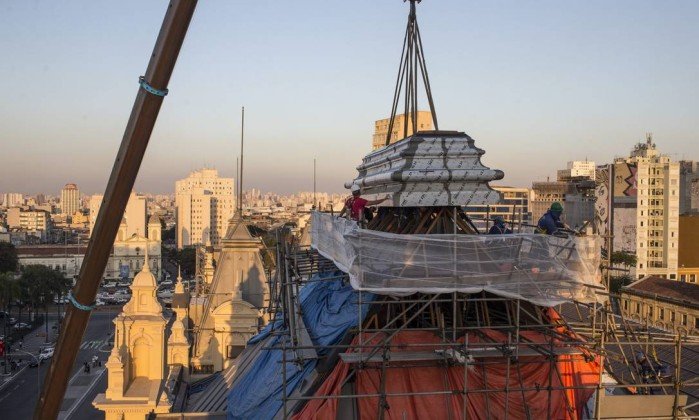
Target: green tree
{"points": [[41, 284], [616, 283], [185, 258], [8, 257], [623, 258], [9, 290]]}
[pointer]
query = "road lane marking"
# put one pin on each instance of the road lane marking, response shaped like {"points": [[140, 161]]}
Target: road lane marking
{"points": [[79, 402]]}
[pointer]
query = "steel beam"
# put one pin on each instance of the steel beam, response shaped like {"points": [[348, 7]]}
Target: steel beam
{"points": [[121, 181]]}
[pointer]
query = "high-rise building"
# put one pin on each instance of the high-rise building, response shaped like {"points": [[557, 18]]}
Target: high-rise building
{"points": [[35, 222], [577, 169], [424, 123], [204, 203], [70, 199], [134, 215], [657, 184], [12, 200]]}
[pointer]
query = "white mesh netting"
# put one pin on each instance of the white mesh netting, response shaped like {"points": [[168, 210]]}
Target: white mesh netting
{"points": [[545, 270]]}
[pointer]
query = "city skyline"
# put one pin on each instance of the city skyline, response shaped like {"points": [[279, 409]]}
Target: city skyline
{"points": [[567, 90]]}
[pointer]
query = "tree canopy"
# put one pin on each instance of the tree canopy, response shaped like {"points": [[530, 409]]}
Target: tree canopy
{"points": [[8, 257], [186, 259], [40, 284]]}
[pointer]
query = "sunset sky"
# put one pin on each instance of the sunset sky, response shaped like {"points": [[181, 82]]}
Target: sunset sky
{"points": [[536, 83]]}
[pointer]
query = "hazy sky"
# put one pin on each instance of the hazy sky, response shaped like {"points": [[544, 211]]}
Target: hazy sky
{"points": [[535, 83]]}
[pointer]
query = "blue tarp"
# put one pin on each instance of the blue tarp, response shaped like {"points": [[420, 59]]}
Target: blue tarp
{"points": [[328, 308]]}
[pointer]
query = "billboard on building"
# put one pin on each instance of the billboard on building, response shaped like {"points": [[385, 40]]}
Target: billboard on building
{"points": [[124, 271], [625, 179], [624, 221], [603, 199]]}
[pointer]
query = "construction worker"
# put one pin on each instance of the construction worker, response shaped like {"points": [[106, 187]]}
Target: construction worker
{"points": [[499, 227], [550, 223], [355, 205]]}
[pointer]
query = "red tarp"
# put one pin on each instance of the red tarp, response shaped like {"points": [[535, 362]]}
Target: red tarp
{"points": [[488, 373]]}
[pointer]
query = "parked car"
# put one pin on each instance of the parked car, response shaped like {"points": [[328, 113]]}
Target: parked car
{"points": [[12, 321], [21, 326], [46, 353], [166, 283], [111, 285]]}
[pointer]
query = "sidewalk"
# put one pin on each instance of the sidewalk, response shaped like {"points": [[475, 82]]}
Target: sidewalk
{"points": [[78, 389], [33, 342]]}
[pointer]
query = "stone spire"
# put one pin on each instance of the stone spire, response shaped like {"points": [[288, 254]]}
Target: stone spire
{"points": [[179, 288]]}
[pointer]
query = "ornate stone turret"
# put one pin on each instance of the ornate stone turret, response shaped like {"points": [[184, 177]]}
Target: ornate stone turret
{"points": [[233, 307], [178, 343], [136, 366]]}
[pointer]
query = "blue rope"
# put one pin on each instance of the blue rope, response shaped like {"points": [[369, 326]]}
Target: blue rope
{"points": [[151, 89], [78, 304]]}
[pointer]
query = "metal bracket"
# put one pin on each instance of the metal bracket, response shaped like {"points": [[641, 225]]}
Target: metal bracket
{"points": [[79, 305], [150, 89]]}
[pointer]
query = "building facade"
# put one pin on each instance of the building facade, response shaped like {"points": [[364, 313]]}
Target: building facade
{"points": [[70, 199], [578, 169], [689, 187], [124, 262], [513, 207], [657, 211], [688, 256], [204, 204], [34, 222], [134, 214], [424, 123], [12, 200], [544, 194], [662, 303]]}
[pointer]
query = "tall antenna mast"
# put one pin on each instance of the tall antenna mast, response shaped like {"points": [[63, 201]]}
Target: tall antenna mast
{"points": [[412, 61], [237, 182], [242, 140], [315, 203]]}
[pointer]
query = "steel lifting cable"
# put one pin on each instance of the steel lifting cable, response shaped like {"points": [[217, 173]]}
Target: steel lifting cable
{"points": [[412, 61]]}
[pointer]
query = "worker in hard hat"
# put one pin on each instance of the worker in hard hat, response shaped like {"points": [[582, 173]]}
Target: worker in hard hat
{"points": [[499, 227], [355, 205], [550, 223]]}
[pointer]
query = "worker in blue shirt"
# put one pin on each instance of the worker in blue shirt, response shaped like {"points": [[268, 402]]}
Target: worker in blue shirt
{"points": [[498, 227], [550, 223]]}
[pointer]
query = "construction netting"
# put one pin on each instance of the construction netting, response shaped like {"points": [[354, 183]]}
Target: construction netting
{"points": [[543, 269]]}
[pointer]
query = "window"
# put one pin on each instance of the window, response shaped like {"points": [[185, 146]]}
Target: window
{"points": [[696, 323], [672, 316], [650, 312], [662, 314], [684, 319], [626, 305], [638, 308], [673, 277]]}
